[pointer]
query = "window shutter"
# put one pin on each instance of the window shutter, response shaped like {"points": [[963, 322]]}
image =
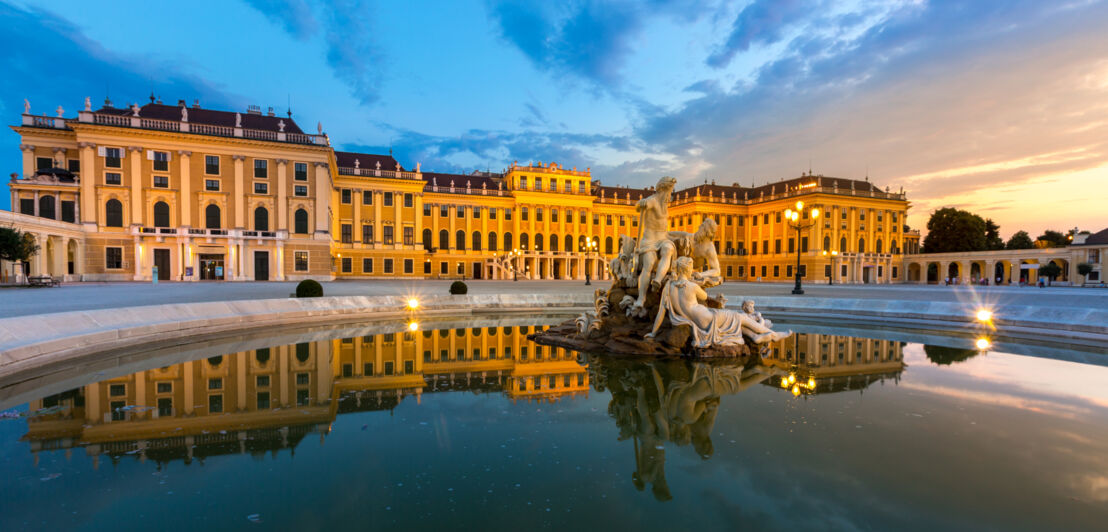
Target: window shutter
{"points": [[100, 151], [149, 155]]}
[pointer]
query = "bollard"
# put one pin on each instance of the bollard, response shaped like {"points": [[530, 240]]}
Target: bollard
{"points": [[154, 275]]}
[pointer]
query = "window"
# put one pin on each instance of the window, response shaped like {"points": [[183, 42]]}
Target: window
{"points": [[476, 240], [444, 268], [608, 219], [367, 197], [261, 188], [754, 220], [444, 239], [300, 171], [300, 190], [388, 265], [581, 217], [388, 199], [507, 214], [524, 214], [345, 196], [261, 168], [409, 200], [427, 270], [211, 185], [75, 166], [367, 233], [43, 163], [409, 236], [161, 181], [347, 265], [461, 211], [165, 387], [113, 258], [113, 213], [112, 158], [387, 236], [622, 221], [553, 185], [492, 213], [443, 212], [538, 214], [492, 241], [460, 240], [300, 221], [523, 182], [568, 186], [300, 261], [580, 187], [215, 384], [113, 178], [476, 212], [211, 164], [211, 217], [161, 161], [409, 265], [161, 214], [347, 233], [426, 209], [538, 183], [367, 265]]}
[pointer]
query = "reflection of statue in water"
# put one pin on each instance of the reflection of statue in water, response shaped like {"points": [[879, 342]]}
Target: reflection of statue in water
{"points": [[667, 400], [655, 250], [683, 300]]}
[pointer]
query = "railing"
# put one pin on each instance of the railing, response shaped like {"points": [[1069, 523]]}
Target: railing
{"points": [[167, 230], [181, 126], [471, 191], [112, 120], [164, 125], [207, 129], [259, 134], [44, 121], [373, 172]]}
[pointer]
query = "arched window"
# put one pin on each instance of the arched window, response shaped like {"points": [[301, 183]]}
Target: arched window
{"points": [[507, 242], [893, 249], [879, 247], [608, 245], [427, 240], [444, 239], [476, 241], [46, 207], [842, 245], [581, 243], [827, 244], [492, 241], [300, 222], [861, 245], [161, 214], [211, 217], [303, 351], [539, 241], [523, 243], [460, 240], [113, 213], [553, 242], [569, 243], [261, 219]]}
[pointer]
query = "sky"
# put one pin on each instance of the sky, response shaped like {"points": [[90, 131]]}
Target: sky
{"points": [[1000, 108]]}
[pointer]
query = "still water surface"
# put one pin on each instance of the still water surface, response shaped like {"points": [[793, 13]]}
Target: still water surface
{"points": [[480, 427]]}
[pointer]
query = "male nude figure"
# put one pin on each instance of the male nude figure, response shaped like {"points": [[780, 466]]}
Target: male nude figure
{"points": [[655, 250], [701, 247]]}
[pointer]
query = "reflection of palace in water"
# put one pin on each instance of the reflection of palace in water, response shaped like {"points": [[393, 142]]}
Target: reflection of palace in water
{"points": [[671, 400], [269, 399]]}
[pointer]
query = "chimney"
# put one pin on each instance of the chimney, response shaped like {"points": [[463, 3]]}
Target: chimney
{"points": [[270, 112], [180, 103], [254, 110], [196, 103]]}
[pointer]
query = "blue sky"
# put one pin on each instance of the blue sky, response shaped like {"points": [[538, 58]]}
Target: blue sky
{"points": [[997, 107]]}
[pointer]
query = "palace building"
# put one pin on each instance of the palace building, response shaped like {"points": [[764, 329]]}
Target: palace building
{"points": [[196, 194]]}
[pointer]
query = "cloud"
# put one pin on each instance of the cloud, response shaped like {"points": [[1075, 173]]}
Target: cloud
{"points": [[351, 51], [588, 39], [762, 22], [60, 66], [295, 16]]}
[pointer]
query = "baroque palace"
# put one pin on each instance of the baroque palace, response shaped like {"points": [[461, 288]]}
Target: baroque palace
{"points": [[179, 192]]}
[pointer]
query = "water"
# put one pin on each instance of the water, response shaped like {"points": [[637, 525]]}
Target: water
{"points": [[479, 427]]}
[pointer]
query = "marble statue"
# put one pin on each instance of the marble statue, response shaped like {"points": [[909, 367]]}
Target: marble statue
{"points": [[683, 301], [26, 106], [701, 247], [184, 114], [622, 267], [88, 103], [238, 119], [655, 250], [281, 126]]}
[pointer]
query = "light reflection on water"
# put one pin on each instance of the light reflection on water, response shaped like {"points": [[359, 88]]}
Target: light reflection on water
{"points": [[411, 428]]}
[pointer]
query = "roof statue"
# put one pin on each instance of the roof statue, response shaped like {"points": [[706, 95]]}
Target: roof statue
{"points": [[238, 119], [281, 126], [417, 164], [319, 127], [358, 164], [378, 165], [184, 114], [60, 111], [134, 109], [88, 103]]}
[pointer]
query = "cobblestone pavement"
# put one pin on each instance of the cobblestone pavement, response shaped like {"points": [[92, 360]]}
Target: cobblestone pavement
{"points": [[18, 301]]}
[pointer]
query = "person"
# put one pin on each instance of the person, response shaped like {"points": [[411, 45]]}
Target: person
{"points": [[701, 247], [682, 300], [655, 250]]}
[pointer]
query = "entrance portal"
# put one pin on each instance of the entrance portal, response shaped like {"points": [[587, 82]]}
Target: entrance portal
{"points": [[261, 265], [161, 260], [211, 267], [476, 270]]}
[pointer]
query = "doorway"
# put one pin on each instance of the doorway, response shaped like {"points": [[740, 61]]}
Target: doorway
{"points": [[261, 265], [867, 274], [211, 267], [476, 270], [161, 261]]}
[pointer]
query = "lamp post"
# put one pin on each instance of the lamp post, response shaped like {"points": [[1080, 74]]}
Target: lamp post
{"points": [[515, 267], [793, 218], [588, 247], [831, 272]]}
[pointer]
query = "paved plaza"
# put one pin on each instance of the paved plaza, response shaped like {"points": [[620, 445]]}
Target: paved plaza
{"points": [[18, 301]]}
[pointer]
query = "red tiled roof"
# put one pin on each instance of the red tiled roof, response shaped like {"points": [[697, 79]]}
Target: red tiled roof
{"points": [[208, 116], [1098, 238], [366, 161]]}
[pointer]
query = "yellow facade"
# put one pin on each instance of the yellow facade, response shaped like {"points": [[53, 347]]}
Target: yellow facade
{"points": [[238, 196]]}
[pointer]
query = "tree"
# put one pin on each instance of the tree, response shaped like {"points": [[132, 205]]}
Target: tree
{"points": [[1052, 239], [945, 356], [16, 246], [951, 229], [1050, 270], [992, 235], [1020, 240], [1085, 269]]}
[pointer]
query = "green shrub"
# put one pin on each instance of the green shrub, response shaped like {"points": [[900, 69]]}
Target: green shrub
{"points": [[458, 288], [309, 288]]}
